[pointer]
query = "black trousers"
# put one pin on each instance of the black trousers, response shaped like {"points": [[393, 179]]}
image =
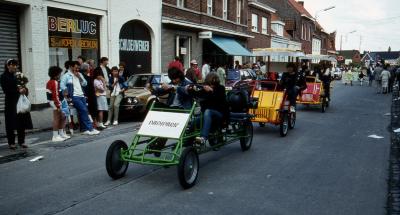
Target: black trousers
{"points": [[11, 136]]}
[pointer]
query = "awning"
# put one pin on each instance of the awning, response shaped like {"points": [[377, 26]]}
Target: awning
{"points": [[320, 57], [284, 52], [230, 46]]}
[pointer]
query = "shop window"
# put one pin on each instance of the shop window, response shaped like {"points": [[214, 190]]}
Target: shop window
{"points": [[254, 22], [264, 25], [239, 11], [209, 7], [72, 34]]}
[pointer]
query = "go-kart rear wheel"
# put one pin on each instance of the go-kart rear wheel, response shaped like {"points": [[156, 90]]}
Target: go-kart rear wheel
{"points": [[284, 126], [116, 167], [188, 167], [292, 120], [245, 142]]}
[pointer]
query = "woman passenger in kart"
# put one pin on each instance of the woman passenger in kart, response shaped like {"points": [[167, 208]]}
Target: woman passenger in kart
{"points": [[293, 83], [214, 105]]}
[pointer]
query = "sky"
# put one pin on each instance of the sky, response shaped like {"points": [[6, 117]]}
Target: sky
{"points": [[377, 23]]}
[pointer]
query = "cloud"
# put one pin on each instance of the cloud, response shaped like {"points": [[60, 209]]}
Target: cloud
{"points": [[368, 17]]}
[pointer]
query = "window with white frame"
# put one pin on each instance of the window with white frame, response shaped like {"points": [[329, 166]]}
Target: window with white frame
{"points": [[180, 3], [239, 11], [209, 7], [264, 25], [254, 22], [225, 9]]}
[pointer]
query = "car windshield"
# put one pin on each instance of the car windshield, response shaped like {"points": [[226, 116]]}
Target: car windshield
{"points": [[138, 81], [233, 75]]}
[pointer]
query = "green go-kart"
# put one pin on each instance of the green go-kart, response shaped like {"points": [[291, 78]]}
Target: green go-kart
{"points": [[176, 129]]}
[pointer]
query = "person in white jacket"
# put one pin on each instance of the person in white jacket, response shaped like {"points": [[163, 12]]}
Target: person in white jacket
{"points": [[385, 76], [205, 70]]}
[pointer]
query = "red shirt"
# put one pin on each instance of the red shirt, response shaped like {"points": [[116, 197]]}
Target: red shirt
{"points": [[176, 64], [53, 92]]}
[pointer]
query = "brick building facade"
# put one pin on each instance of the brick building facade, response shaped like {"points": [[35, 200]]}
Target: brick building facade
{"points": [[263, 15], [183, 20]]}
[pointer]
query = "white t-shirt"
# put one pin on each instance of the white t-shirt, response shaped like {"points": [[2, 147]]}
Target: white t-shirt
{"points": [[105, 74], [77, 86], [205, 70], [116, 89]]}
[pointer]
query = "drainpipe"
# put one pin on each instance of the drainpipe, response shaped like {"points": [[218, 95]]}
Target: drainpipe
{"points": [[109, 28]]}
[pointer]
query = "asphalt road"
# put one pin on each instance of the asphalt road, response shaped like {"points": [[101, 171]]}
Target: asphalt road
{"points": [[326, 165]]}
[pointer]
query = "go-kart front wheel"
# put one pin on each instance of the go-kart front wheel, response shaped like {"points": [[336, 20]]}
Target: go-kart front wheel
{"points": [[116, 167], [245, 142], [188, 167], [284, 125]]}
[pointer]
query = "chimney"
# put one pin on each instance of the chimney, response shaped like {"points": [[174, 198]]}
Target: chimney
{"points": [[301, 3]]}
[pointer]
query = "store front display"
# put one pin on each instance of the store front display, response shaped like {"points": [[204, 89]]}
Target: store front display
{"points": [[72, 34]]}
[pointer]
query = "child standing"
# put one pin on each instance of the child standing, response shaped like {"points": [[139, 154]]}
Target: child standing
{"points": [[53, 97], [100, 88]]}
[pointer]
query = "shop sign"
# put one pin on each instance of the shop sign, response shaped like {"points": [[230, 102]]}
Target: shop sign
{"points": [[205, 35], [135, 47], [183, 51], [68, 29]]}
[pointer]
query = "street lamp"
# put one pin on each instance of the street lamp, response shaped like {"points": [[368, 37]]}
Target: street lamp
{"points": [[323, 10], [341, 38]]}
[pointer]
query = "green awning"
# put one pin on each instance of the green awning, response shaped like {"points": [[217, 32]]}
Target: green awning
{"points": [[231, 46]]}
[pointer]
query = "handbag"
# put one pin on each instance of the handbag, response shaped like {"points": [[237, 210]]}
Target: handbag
{"points": [[23, 105]]}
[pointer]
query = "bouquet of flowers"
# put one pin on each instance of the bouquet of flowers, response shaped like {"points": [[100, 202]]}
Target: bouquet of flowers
{"points": [[22, 80]]}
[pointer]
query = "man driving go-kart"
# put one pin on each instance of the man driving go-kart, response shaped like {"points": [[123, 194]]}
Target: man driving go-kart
{"points": [[177, 90], [293, 83]]}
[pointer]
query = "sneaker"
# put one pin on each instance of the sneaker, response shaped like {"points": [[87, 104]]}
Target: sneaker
{"points": [[200, 140], [65, 136], [101, 126], [292, 109], [86, 132], [115, 123], [94, 132], [107, 123], [57, 139]]}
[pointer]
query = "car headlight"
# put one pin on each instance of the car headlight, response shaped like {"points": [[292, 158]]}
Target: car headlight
{"points": [[132, 101]]}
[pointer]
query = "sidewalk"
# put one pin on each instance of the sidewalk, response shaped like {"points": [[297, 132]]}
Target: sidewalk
{"points": [[41, 119]]}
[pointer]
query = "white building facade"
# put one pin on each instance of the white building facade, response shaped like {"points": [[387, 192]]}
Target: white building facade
{"points": [[44, 33]]}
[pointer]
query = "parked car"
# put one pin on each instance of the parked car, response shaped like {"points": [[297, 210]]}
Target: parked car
{"points": [[240, 78], [138, 99]]}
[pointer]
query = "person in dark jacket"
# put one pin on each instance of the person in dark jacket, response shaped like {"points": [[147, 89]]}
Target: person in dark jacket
{"points": [[214, 105], [290, 82], [89, 92], [13, 88]]}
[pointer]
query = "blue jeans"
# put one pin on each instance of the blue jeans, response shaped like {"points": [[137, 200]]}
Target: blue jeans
{"points": [[210, 118], [80, 105]]}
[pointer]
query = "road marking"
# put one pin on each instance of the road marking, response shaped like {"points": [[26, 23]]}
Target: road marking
{"points": [[37, 158], [375, 136]]}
